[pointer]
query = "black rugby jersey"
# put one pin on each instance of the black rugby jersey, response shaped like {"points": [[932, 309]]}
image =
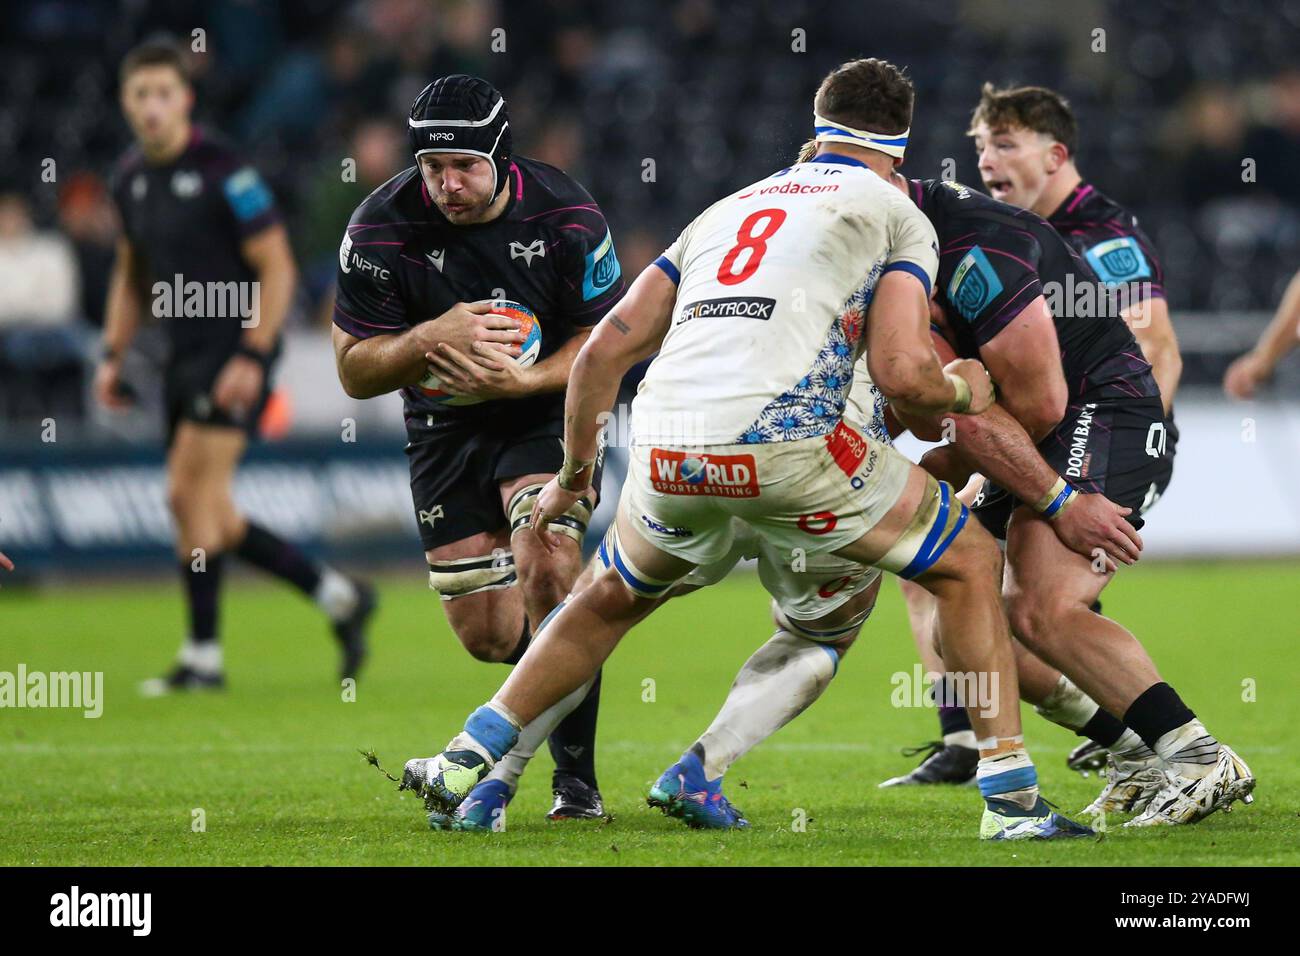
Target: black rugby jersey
{"points": [[995, 258], [187, 219], [402, 263], [1109, 239]]}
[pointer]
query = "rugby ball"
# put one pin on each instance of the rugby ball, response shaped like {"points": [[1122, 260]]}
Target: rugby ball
{"points": [[431, 386]]}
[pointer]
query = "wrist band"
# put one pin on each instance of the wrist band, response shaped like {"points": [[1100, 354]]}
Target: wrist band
{"points": [[247, 351], [110, 354], [1055, 501], [567, 476], [962, 388]]}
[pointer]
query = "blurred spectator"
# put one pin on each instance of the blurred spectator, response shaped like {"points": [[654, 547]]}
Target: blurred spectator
{"points": [[38, 271], [41, 339], [1275, 145], [378, 149], [1213, 129], [88, 219]]}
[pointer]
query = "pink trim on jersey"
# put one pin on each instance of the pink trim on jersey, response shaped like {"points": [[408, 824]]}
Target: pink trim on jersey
{"points": [[1020, 291], [948, 247], [378, 225], [997, 252], [519, 182], [378, 242], [371, 325], [552, 212], [1079, 198]]}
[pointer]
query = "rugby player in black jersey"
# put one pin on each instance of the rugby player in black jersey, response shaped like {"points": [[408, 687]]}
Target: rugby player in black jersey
{"points": [[1074, 378], [420, 263], [1025, 140], [195, 215]]}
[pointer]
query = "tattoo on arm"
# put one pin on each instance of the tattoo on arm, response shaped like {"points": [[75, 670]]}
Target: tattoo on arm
{"points": [[619, 324]]}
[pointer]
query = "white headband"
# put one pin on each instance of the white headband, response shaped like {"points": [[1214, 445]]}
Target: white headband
{"points": [[829, 131]]}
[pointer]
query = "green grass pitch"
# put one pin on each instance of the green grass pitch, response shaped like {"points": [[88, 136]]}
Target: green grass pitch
{"points": [[273, 763]]}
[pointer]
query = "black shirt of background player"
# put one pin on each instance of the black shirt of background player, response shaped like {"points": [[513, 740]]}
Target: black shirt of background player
{"points": [[402, 263], [994, 259], [188, 218], [1109, 239]]}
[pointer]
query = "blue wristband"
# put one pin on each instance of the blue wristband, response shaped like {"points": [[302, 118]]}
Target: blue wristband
{"points": [[1052, 510]]}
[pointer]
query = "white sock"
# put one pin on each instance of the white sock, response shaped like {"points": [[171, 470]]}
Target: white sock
{"points": [[960, 738], [511, 767], [1008, 761], [1068, 706], [1131, 747], [780, 680], [336, 595], [1190, 750], [201, 656]]}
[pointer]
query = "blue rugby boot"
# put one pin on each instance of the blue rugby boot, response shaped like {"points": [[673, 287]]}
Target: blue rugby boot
{"points": [[683, 792], [483, 811], [1005, 820]]}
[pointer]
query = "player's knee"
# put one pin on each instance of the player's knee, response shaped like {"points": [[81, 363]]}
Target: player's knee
{"points": [[486, 642], [1035, 619], [544, 581], [182, 497], [977, 556]]}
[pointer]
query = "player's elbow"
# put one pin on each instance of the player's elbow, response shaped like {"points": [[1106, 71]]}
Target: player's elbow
{"points": [[1045, 412], [907, 379], [353, 387], [602, 355]]}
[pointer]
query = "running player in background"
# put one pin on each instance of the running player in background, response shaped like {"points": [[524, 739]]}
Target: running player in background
{"points": [[1254, 368], [420, 261], [194, 212], [769, 446]]}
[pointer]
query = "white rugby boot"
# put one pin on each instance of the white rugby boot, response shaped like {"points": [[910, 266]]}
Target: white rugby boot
{"points": [[1186, 800]]}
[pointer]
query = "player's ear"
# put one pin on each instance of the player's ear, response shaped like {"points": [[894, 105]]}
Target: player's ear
{"points": [[1057, 156]]}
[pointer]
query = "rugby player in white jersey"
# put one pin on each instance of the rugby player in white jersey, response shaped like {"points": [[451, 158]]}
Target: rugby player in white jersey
{"points": [[758, 312]]}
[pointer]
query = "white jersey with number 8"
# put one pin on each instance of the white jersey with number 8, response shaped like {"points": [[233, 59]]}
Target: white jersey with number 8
{"points": [[774, 282]]}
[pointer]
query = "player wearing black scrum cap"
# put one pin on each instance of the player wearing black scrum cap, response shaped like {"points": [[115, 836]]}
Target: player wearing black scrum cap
{"points": [[420, 262]]}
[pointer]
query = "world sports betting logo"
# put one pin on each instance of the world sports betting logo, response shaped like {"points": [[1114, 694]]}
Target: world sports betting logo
{"points": [[687, 473]]}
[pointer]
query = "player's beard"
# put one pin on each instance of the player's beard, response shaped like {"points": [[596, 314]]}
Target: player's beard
{"points": [[467, 213]]}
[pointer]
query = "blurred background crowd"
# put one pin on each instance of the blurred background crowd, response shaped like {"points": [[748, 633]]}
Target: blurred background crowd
{"points": [[712, 92], [658, 107]]}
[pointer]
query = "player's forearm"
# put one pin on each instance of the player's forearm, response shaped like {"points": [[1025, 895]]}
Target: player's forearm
{"points": [[554, 372], [909, 374], [380, 364], [1149, 321], [1283, 332], [1167, 368], [592, 391], [122, 313], [1000, 449], [271, 304]]}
